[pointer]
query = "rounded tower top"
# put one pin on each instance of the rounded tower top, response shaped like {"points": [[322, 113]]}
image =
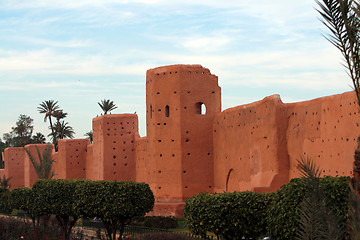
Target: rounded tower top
{"points": [[173, 69]]}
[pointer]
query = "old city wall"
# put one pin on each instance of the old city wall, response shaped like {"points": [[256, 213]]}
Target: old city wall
{"points": [[71, 159], [250, 147], [269, 137], [14, 166], [179, 159], [191, 146], [142, 168], [326, 130], [113, 150]]}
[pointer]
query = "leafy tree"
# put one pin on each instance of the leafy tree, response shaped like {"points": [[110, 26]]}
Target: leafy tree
{"points": [[20, 135], [89, 135], [43, 167], [4, 201], [56, 197], [115, 203], [24, 199], [107, 106], [49, 108]]}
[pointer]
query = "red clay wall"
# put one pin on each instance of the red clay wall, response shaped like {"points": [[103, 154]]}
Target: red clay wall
{"points": [[250, 147], [90, 169], [180, 150], [14, 166], [30, 175], [325, 129], [113, 150], [55, 167], [142, 169], [71, 162]]}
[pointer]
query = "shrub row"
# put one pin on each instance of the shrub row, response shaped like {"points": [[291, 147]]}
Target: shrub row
{"points": [[254, 215], [228, 215], [115, 203]]}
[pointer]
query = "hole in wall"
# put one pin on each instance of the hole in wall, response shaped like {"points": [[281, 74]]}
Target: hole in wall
{"points": [[200, 108], [167, 111]]}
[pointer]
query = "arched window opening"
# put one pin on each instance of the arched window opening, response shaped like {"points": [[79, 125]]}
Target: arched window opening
{"points": [[167, 111], [200, 108]]}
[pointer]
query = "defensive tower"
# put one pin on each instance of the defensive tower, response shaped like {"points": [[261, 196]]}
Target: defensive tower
{"points": [[181, 102]]}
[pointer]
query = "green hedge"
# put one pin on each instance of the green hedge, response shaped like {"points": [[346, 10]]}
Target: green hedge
{"points": [[283, 215], [4, 201], [228, 215], [115, 203]]}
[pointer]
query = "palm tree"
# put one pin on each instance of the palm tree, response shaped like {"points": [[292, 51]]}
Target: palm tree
{"points": [[89, 135], [62, 130], [38, 138], [49, 108], [106, 105], [43, 167], [59, 114], [317, 220]]}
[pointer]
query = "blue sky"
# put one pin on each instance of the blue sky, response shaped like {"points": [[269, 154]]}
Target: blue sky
{"points": [[79, 52]]}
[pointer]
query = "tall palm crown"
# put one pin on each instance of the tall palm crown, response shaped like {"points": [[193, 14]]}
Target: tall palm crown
{"points": [[62, 130], [89, 135], [49, 108], [106, 105], [59, 114]]}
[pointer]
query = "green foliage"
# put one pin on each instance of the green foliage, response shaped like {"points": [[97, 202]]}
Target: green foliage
{"points": [[341, 17], [4, 201], [5, 182], [56, 197], [316, 219], [285, 211], [160, 222], [228, 215], [107, 106], [22, 199], [20, 135], [115, 203], [354, 214], [43, 167]]}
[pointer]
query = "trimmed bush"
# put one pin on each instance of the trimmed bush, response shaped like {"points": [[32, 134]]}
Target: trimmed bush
{"points": [[56, 197], [228, 215], [284, 212], [115, 203], [4, 201]]}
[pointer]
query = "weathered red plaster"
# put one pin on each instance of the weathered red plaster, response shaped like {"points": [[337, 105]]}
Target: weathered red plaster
{"points": [[70, 160], [30, 175], [187, 150], [113, 150], [14, 166]]}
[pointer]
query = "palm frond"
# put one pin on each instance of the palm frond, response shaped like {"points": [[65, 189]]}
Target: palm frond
{"points": [[308, 168], [44, 165]]}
